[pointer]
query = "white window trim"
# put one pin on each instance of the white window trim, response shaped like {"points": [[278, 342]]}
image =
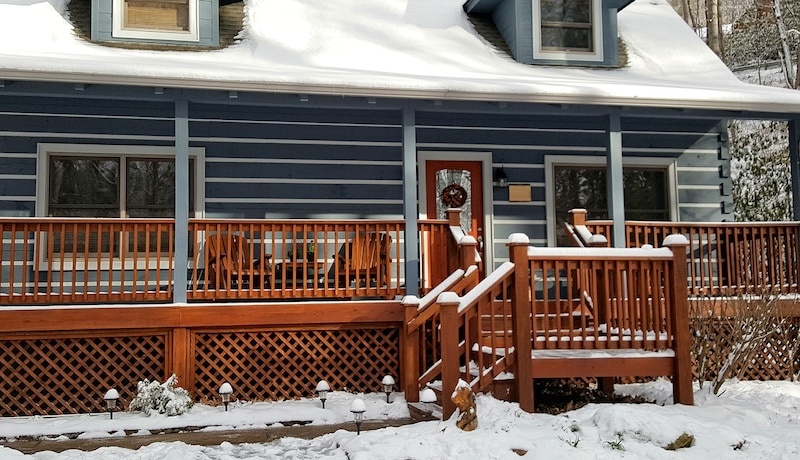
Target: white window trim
{"points": [[45, 150], [551, 161], [569, 55], [120, 31]]}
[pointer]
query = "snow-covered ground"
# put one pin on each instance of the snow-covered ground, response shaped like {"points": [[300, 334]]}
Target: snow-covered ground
{"points": [[749, 420]]}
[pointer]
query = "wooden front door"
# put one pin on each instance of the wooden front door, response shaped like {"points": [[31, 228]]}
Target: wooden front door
{"points": [[456, 184]]}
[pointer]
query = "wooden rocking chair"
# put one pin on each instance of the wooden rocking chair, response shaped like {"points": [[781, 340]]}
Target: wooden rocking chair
{"points": [[230, 265], [365, 258]]}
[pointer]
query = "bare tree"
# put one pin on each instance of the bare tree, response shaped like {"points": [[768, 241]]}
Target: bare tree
{"points": [[745, 322], [714, 27]]}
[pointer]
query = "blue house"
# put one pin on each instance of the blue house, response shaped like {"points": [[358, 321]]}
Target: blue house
{"points": [[177, 120]]}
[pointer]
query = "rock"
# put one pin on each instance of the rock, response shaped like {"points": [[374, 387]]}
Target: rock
{"points": [[684, 440], [464, 399]]}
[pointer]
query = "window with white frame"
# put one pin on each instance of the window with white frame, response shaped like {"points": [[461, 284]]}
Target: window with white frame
{"points": [[648, 192], [156, 19], [85, 181], [567, 30]]}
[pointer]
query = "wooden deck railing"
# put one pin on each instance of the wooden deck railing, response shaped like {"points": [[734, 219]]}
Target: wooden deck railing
{"points": [[534, 314], [727, 257], [280, 259], [66, 260], [60, 260]]}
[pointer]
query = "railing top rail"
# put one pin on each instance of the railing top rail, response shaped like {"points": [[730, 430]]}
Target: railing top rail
{"points": [[430, 298], [433, 221], [599, 253], [87, 220], [505, 270], [646, 223], [297, 221]]}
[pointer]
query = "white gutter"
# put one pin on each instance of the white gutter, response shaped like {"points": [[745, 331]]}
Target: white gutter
{"points": [[353, 91]]}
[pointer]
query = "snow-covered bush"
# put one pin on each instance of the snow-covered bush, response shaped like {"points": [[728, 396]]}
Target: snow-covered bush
{"points": [[162, 398]]}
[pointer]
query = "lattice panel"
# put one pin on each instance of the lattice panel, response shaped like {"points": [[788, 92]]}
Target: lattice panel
{"points": [[275, 365], [772, 362], [43, 376]]}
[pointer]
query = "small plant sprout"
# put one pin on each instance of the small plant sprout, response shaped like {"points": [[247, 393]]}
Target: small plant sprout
{"points": [[358, 408], [323, 388], [427, 397], [225, 392], [388, 382], [111, 397], [616, 445]]}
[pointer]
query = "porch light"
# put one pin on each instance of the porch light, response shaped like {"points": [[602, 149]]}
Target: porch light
{"points": [[111, 397], [225, 392], [427, 397], [323, 388], [388, 383], [500, 177], [358, 408]]}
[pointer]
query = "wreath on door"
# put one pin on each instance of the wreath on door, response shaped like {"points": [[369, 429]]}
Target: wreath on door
{"points": [[454, 196]]}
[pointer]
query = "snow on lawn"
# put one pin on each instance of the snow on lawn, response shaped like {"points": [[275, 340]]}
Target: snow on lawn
{"points": [[749, 420]]}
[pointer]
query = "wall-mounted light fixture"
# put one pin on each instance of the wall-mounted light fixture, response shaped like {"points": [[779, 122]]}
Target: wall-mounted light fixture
{"points": [[500, 178]]}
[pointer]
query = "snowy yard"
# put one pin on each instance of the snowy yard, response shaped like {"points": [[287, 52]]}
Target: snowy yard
{"points": [[752, 420]]}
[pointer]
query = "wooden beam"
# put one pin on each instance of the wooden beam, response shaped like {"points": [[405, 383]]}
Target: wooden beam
{"points": [[332, 314], [602, 367]]}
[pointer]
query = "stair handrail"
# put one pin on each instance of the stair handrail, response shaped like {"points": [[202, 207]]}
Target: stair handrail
{"points": [[419, 311], [462, 329]]}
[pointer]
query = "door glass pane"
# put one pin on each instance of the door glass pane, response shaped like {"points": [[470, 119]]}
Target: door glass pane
{"points": [[453, 191], [646, 196]]}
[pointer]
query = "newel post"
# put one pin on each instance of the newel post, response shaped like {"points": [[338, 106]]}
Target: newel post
{"points": [[577, 216], [410, 363], [467, 249], [454, 217], [679, 314], [521, 319], [448, 310]]}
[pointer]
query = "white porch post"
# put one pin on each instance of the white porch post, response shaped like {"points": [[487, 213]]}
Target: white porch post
{"points": [[410, 198], [181, 200], [794, 164], [616, 198]]}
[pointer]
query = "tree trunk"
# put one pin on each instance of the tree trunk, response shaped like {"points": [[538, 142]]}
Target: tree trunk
{"points": [[686, 12], [713, 27], [785, 51]]}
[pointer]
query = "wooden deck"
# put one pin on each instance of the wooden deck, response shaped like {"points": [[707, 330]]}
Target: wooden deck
{"points": [[62, 360]]}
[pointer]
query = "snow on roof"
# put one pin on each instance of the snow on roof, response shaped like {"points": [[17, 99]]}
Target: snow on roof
{"points": [[395, 48]]}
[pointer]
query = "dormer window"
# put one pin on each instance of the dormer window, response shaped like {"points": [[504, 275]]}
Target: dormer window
{"points": [[173, 20], [567, 30], [551, 32]]}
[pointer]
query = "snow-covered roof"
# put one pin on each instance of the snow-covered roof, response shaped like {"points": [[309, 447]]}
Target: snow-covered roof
{"points": [[395, 48]]}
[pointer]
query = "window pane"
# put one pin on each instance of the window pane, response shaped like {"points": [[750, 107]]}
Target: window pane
{"points": [[585, 187], [151, 188], [169, 15], [567, 10], [562, 37], [82, 187]]}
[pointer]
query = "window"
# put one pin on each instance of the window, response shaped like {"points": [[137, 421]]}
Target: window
{"points": [[112, 187], [156, 19], [647, 189], [567, 30], [86, 181]]}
